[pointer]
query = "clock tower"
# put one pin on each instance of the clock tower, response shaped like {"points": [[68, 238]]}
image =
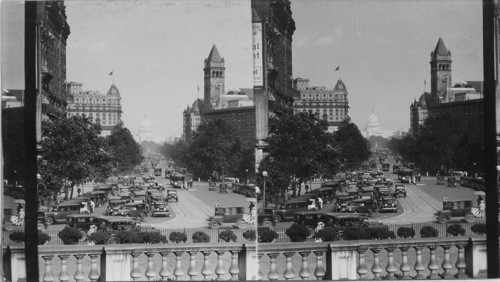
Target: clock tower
{"points": [[440, 71], [214, 78]]}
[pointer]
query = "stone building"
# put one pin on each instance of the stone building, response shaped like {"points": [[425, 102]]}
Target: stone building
{"points": [[330, 105], [191, 118], [372, 128], [272, 31], [104, 109], [145, 133]]}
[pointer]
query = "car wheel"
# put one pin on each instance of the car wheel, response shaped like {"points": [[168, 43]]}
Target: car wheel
{"points": [[277, 218], [49, 220], [267, 224], [241, 224], [214, 224]]}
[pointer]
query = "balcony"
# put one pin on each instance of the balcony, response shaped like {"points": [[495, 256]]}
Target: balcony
{"points": [[422, 258]]}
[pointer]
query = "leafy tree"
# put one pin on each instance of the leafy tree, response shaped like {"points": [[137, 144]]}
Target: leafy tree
{"points": [[178, 152], [214, 148], [126, 153], [353, 147], [72, 151]]}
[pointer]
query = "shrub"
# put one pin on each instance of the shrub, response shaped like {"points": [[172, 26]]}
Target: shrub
{"points": [[455, 230], [125, 237], [228, 236], [479, 228], [249, 235], [267, 235], [357, 233], [18, 236], [428, 231], [406, 232], [152, 238], [297, 232], [352, 233], [328, 234], [200, 237], [99, 237], [70, 235], [43, 238], [177, 237]]}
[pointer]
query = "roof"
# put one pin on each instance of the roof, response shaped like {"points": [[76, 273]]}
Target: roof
{"points": [[214, 55], [340, 86], [478, 85], [441, 48], [113, 90]]}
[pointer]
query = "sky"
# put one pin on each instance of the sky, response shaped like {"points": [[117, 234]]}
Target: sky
{"points": [[383, 50], [156, 51]]}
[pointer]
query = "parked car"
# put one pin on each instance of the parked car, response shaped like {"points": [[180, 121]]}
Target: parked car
{"points": [[229, 216], [135, 209], [338, 220], [388, 204], [223, 188], [456, 210], [287, 210], [160, 208], [99, 197], [139, 195], [400, 190], [116, 223], [363, 206], [82, 221], [59, 212], [172, 195], [265, 218]]}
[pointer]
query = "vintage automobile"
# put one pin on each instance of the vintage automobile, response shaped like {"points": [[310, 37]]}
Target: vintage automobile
{"points": [[265, 218], [172, 196], [387, 204], [456, 210], [160, 208], [108, 188], [229, 216], [59, 212], [99, 197], [452, 182], [337, 220], [363, 206], [400, 190], [82, 221], [134, 209], [367, 192], [382, 191], [286, 210], [212, 186], [139, 195], [116, 223], [223, 188]]}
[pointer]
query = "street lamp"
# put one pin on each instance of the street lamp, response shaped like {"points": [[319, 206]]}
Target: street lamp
{"points": [[264, 175]]}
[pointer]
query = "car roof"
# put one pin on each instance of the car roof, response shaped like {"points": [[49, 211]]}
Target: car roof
{"points": [[140, 193], [72, 203], [83, 215], [134, 204], [118, 218]]}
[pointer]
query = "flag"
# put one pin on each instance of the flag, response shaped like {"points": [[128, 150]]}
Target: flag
{"points": [[198, 88], [111, 73], [338, 68], [425, 82]]}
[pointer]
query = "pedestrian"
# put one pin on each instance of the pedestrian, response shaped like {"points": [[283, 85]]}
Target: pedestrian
{"points": [[479, 199], [251, 206], [320, 203], [21, 217], [19, 208], [482, 208], [91, 206], [79, 191], [307, 188]]}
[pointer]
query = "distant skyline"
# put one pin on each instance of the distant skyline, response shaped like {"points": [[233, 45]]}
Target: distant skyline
{"points": [[383, 49], [156, 51]]}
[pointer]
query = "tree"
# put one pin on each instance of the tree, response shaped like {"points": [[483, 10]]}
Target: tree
{"points": [[178, 152], [125, 152], [72, 151], [353, 147]]}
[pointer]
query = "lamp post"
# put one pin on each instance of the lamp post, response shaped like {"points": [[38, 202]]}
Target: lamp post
{"points": [[264, 175], [246, 176]]}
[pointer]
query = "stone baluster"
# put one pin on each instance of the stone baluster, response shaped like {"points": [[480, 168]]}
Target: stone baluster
{"points": [[192, 272], [234, 270], [391, 268], [94, 269], [433, 266], [289, 274], [64, 275], [164, 273], [47, 276], [405, 267], [319, 272], [447, 263], [150, 272], [419, 266], [136, 272], [362, 269], [376, 268], [79, 268], [259, 274], [304, 270], [206, 271], [178, 265], [273, 273], [461, 265], [220, 270]]}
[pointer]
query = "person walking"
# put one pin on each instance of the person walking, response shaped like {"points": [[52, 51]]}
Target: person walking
{"points": [[91, 206], [21, 217], [320, 203]]}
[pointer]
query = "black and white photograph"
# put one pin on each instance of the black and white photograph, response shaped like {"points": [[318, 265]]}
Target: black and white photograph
{"points": [[249, 140]]}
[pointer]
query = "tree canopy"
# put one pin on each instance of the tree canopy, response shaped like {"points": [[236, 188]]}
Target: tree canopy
{"points": [[125, 152]]}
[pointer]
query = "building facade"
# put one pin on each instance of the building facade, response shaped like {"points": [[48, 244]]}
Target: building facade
{"points": [[104, 109], [191, 119], [214, 74], [330, 105], [242, 120], [145, 133], [372, 128]]}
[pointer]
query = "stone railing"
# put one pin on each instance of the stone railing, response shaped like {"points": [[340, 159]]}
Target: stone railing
{"points": [[222, 261], [422, 258]]}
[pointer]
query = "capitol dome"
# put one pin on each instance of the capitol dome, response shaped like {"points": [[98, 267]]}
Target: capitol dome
{"points": [[372, 123]]}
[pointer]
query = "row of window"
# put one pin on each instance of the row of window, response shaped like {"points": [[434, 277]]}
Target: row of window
{"points": [[114, 115], [96, 101], [324, 111], [340, 97]]}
